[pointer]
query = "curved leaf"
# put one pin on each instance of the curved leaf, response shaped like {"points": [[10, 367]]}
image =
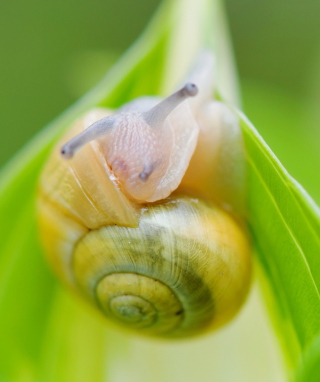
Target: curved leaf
{"points": [[285, 224]]}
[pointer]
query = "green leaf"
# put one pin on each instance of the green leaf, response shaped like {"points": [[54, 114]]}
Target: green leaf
{"points": [[285, 224]]}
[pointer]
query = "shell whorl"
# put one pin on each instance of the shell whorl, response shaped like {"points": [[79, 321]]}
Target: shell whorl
{"points": [[139, 302], [166, 277]]}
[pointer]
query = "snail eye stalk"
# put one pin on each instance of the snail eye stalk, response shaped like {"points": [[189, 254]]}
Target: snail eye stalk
{"points": [[156, 116], [95, 131]]}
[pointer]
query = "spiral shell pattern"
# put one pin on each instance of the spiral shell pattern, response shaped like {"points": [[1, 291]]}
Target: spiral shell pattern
{"points": [[184, 270]]}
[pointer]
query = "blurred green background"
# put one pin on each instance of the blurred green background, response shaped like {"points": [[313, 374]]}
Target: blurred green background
{"points": [[53, 52]]}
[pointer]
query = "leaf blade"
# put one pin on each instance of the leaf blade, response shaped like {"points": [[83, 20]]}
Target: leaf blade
{"points": [[285, 225]]}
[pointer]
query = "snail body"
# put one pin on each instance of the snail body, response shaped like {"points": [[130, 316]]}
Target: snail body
{"points": [[132, 222]]}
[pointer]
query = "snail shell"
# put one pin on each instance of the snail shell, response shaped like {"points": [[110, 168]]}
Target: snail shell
{"points": [[165, 264]]}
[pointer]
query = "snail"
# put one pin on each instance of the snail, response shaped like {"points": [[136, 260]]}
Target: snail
{"points": [[140, 211]]}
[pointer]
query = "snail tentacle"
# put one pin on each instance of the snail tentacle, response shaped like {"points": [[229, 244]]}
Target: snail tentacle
{"points": [[93, 132], [156, 115]]}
